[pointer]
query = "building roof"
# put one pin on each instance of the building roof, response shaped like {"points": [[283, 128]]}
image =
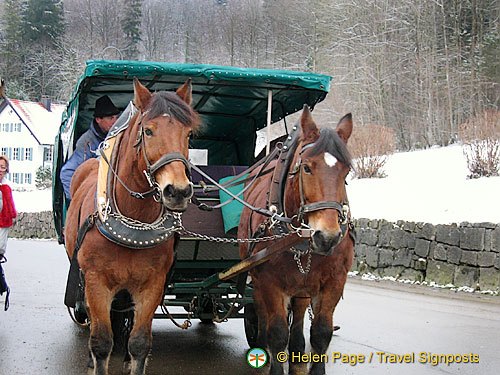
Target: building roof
{"points": [[42, 124]]}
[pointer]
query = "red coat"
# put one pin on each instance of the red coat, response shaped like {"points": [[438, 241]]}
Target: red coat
{"points": [[8, 210]]}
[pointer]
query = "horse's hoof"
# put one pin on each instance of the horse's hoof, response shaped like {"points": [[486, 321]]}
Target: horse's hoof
{"points": [[298, 369], [127, 368]]}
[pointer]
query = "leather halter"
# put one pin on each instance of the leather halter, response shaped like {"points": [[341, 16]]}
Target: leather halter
{"points": [[161, 162], [282, 172], [304, 208]]}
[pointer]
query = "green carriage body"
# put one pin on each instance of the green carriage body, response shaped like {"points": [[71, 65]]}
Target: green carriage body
{"points": [[233, 105]]}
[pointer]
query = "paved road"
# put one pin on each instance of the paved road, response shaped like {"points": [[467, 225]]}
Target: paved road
{"points": [[37, 336]]}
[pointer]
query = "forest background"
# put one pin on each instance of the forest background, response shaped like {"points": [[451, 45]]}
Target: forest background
{"points": [[420, 67]]}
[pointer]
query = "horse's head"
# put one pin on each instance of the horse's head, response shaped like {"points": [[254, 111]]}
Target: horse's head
{"points": [[165, 124], [317, 179]]}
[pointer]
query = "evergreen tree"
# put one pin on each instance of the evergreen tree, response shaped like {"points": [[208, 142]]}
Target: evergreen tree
{"points": [[43, 21], [131, 24], [11, 53]]}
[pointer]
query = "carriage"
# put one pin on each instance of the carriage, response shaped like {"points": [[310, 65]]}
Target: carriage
{"points": [[208, 279]]}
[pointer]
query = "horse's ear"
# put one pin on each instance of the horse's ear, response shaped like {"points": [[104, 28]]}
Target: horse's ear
{"points": [[142, 96], [310, 131], [344, 127], [185, 92]]}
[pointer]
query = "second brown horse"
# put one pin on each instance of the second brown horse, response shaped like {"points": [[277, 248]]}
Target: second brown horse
{"points": [[314, 193]]}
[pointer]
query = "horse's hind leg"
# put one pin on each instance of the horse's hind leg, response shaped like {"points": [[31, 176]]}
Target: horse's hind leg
{"points": [[297, 342], [101, 334]]}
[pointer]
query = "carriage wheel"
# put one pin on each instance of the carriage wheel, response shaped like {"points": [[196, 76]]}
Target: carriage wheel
{"points": [[251, 325]]}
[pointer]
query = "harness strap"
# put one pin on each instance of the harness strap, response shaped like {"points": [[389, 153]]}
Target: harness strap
{"points": [[73, 283], [261, 211], [234, 181], [323, 205], [135, 194], [252, 179], [169, 158]]}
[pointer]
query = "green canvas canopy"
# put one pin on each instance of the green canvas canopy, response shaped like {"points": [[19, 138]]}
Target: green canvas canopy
{"points": [[232, 103]]}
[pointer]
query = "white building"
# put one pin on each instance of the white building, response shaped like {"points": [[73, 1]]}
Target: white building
{"points": [[27, 134]]}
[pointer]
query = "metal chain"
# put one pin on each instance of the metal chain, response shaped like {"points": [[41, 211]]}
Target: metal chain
{"points": [[297, 254], [234, 240], [139, 225]]}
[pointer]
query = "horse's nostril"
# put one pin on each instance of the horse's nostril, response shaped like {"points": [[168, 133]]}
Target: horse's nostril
{"points": [[326, 241], [169, 191], [188, 191]]}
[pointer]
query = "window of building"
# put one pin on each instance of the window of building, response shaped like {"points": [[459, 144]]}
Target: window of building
{"points": [[5, 127], [27, 178], [47, 154], [16, 154], [29, 153], [15, 177], [5, 151]]}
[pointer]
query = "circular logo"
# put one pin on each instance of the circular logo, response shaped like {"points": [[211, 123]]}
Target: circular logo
{"points": [[256, 357]]}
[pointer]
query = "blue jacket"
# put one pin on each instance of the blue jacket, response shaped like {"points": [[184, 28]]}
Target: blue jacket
{"points": [[86, 148]]}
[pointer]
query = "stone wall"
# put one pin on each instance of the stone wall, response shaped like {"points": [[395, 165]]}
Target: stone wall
{"points": [[33, 225], [462, 255]]}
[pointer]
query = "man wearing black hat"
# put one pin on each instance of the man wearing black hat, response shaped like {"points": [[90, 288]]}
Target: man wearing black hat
{"points": [[105, 115]]}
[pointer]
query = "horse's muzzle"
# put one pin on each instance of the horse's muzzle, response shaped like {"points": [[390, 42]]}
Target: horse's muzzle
{"points": [[177, 199], [323, 242]]}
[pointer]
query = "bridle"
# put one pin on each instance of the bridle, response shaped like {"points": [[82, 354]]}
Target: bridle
{"points": [[305, 208], [165, 159], [151, 168]]}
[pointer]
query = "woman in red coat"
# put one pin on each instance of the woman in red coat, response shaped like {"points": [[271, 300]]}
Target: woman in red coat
{"points": [[7, 208]]}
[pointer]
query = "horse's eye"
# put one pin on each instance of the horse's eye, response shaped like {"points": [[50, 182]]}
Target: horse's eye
{"points": [[307, 169], [190, 135], [148, 132]]}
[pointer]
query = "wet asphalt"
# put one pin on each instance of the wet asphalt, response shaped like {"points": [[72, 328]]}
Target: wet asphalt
{"points": [[381, 319]]}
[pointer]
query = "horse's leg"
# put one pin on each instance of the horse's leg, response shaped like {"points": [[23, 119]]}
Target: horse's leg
{"points": [[101, 335], [141, 337], [297, 343], [274, 305], [261, 312], [322, 325]]}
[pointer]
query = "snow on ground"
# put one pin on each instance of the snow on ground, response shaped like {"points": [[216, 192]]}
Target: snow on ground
{"points": [[426, 185], [429, 186]]}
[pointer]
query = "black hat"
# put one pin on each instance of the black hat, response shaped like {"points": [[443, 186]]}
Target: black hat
{"points": [[105, 107]]}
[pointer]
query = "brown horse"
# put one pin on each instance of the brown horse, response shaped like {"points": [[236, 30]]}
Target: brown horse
{"points": [[154, 144], [314, 194]]}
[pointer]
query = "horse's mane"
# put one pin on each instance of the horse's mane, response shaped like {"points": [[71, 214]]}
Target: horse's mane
{"points": [[170, 103], [329, 141]]}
